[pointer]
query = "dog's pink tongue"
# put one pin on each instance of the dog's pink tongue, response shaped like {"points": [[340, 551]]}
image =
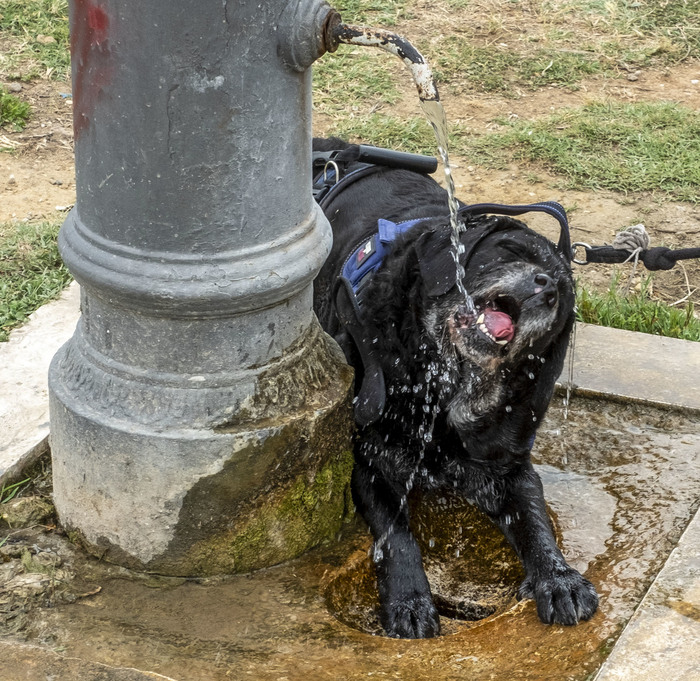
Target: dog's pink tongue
{"points": [[499, 324]]}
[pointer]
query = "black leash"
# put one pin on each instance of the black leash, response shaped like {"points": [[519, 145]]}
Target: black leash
{"points": [[657, 258]]}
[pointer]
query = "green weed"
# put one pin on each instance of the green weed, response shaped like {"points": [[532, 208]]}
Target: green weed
{"points": [[9, 492], [13, 111], [637, 312], [31, 271]]}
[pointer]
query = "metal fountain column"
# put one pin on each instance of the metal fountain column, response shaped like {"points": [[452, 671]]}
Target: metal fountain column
{"points": [[200, 419]]}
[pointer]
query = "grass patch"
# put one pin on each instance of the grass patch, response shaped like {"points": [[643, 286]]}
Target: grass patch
{"points": [[40, 32], [13, 111], [621, 147], [413, 135], [498, 69], [646, 147], [379, 13], [515, 45], [349, 78], [666, 29], [637, 312], [31, 271]]}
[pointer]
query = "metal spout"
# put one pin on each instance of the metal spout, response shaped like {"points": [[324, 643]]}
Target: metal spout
{"points": [[339, 32], [309, 28], [305, 32]]}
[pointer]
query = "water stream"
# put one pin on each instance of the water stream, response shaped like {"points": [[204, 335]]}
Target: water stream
{"points": [[434, 112]]}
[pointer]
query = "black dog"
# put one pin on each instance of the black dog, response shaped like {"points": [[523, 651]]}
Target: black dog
{"points": [[447, 394]]}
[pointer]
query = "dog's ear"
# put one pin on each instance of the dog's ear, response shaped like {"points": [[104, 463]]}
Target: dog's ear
{"points": [[371, 397], [436, 261]]}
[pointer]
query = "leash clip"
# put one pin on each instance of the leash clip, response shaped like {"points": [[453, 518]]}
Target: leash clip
{"points": [[574, 246]]}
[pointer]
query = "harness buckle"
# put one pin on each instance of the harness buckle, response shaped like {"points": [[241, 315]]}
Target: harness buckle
{"points": [[334, 166]]}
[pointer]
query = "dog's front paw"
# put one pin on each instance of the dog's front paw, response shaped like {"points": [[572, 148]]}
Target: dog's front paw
{"points": [[562, 596], [411, 617]]}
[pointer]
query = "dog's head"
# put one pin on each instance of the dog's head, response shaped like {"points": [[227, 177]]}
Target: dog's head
{"points": [[523, 296], [520, 284]]}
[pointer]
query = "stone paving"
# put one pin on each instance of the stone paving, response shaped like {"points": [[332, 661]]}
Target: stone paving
{"points": [[24, 392]]}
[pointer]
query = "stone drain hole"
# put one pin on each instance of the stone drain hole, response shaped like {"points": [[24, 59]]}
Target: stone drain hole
{"points": [[473, 572]]}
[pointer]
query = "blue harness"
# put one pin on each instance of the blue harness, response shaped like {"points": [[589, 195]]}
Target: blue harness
{"points": [[369, 255]]}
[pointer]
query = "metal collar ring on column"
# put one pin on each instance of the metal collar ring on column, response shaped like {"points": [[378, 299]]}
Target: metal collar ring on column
{"points": [[200, 284]]}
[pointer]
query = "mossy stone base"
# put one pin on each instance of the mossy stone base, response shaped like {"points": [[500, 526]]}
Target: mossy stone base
{"points": [[279, 486]]}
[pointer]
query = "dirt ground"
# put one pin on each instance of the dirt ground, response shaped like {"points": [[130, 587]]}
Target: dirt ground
{"points": [[37, 177]]}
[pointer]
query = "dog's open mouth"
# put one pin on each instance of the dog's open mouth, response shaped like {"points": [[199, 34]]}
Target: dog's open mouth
{"points": [[495, 320], [496, 326]]}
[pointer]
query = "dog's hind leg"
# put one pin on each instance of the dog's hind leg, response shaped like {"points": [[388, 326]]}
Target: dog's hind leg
{"points": [[561, 594], [407, 608]]}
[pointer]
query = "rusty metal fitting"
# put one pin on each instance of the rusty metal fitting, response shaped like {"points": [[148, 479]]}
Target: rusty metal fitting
{"points": [[305, 32]]}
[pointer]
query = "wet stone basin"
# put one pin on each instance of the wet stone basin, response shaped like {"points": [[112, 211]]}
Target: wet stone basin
{"points": [[622, 482]]}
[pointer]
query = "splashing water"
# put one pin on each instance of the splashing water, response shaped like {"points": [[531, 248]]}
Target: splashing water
{"points": [[434, 390], [435, 113], [570, 372]]}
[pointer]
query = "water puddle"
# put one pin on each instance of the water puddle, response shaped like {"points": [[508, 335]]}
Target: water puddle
{"points": [[620, 503]]}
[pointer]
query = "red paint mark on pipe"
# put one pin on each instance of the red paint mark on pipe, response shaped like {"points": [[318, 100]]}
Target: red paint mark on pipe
{"points": [[90, 52], [98, 23]]}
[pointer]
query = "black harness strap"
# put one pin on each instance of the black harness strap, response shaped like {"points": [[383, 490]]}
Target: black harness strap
{"points": [[556, 210], [330, 167], [334, 180]]}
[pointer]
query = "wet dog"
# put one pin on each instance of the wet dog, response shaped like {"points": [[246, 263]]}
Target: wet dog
{"points": [[448, 394]]}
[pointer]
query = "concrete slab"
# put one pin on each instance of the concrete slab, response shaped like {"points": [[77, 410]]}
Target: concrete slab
{"points": [[24, 365], [612, 363], [662, 640]]}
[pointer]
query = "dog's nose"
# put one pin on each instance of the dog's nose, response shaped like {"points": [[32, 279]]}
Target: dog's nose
{"points": [[546, 289]]}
